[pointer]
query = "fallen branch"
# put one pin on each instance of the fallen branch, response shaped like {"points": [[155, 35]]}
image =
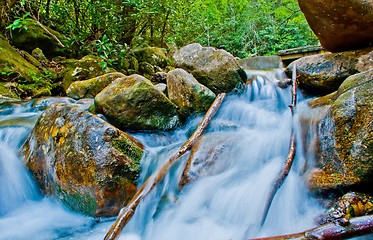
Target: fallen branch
{"points": [[291, 154], [44, 28], [357, 227], [48, 32], [127, 212]]}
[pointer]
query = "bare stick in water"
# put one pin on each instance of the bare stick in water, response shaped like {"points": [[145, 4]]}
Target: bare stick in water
{"points": [[127, 212], [291, 154], [356, 227]]}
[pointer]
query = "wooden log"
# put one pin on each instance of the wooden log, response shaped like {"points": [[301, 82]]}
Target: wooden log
{"points": [[291, 154], [127, 212], [358, 226]]}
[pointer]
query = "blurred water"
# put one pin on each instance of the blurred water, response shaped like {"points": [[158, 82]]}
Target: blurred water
{"points": [[252, 132], [24, 212]]}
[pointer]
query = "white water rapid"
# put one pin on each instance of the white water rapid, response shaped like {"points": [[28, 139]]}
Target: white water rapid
{"points": [[249, 138]]}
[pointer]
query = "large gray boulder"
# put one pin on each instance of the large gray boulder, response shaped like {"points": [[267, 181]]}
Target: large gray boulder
{"points": [[87, 163], [345, 135], [340, 25], [134, 103], [187, 93], [215, 68]]}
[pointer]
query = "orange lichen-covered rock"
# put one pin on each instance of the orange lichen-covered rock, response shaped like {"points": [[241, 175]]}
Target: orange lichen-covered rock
{"points": [[87, 163]]}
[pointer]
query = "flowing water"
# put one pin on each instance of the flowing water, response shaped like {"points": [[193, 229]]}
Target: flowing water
{"points": [[246, 144]]}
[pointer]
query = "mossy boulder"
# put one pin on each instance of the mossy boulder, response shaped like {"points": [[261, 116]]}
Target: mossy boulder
{"points": [[153, 55], [323, 73], [18, 76], [83, 69], [87, 163], [187, 93], [146, 69], [31, 59], [38, 54], [91, 87], [36, 37], [13, 65], [345, 136], [215, 68], [134, 103]]}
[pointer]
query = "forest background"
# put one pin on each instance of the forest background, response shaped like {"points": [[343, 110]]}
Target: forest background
{"points": [[110, 28]]}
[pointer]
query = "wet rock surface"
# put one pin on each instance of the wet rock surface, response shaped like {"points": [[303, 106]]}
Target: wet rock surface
{"points": [[323, 73], [345, 136], [134, 103], [340, 25], [91, 87], [348, 206], [215, 68], [87, 163], [187, 93]]}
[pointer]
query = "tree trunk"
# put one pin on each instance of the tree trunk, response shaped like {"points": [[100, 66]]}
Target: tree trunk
{"points": [[164, 29]]}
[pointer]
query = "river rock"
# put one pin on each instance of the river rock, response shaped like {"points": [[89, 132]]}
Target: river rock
{"points": [[345, 136], [83, 69], [187, 93], [153, 55], [39, 55], [261, 62], [349, 205], [340, 25], [215, 68], [87, 163], [134, 103], [323, 73], [159, 77], [91, 87]]}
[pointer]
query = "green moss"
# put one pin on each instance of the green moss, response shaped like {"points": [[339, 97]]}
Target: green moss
{"points": [[7, 91], [128, 148], [36, 37], [83, 203], [12, 62]]}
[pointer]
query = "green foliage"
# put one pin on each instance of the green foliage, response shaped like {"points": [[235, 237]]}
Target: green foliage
{"points": [[7, 72], [111, 52], [20, 22], [108, 28]]}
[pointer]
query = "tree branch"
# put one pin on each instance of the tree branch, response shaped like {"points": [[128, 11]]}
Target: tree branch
{"points": [[356, 227], [291, 154], [48, 32], [127, 212]]}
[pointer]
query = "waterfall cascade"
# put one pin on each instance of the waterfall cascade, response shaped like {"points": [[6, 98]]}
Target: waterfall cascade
{"points": [[251, 134]]}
